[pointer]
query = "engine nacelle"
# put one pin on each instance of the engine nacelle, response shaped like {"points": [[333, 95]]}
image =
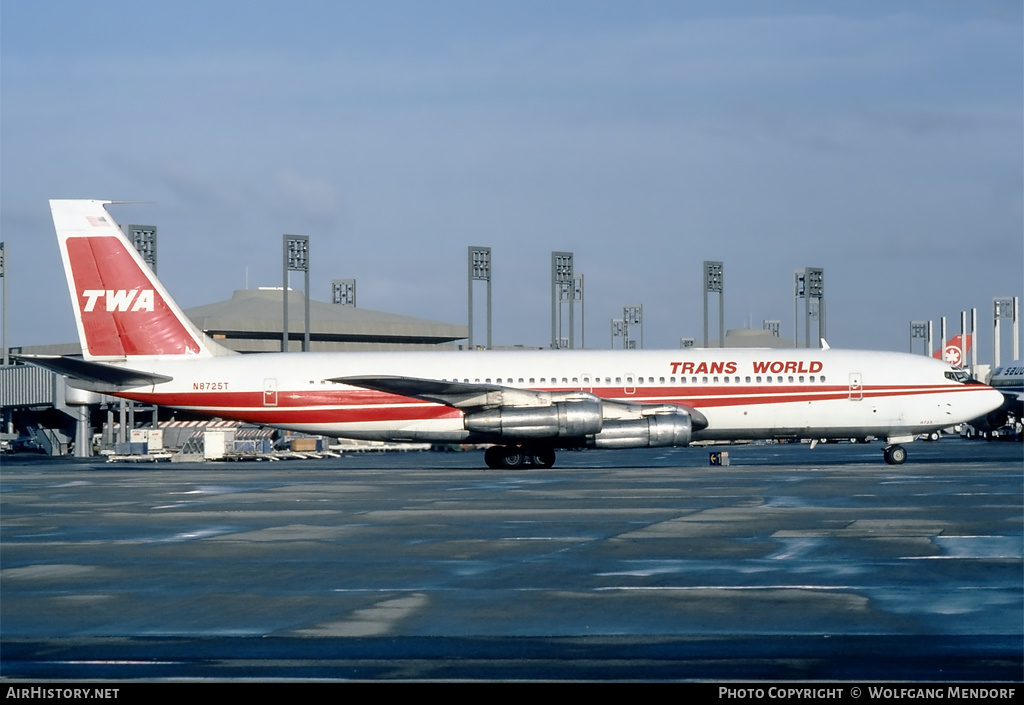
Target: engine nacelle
{"points": [[560, 420], [655, 431]]}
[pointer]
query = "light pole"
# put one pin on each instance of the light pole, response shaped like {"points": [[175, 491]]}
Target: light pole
{"points": [[714, 282], [561, 290], [479, 263], [295, 259]]}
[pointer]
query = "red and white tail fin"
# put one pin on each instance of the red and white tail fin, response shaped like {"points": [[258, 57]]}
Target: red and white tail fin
{"points": [[122, 309], [951, 351]]}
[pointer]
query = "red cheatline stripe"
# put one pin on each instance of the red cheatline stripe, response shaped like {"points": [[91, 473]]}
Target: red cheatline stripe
{"points": [[343, 406]]}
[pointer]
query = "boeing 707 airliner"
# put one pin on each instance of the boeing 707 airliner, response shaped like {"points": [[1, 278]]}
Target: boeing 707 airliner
{"points": [[137, 344]]}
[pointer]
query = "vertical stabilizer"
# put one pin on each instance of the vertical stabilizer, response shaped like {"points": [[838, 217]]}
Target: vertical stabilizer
{"points": [[951, 351], [121, 308]]}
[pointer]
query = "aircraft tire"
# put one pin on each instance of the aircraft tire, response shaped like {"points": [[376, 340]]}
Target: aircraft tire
{"points": [[494, 456], [513, 457], [895, 455], [544, 458]]}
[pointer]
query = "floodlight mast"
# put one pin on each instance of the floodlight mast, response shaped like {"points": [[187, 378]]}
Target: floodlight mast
{"points": [[3, 326], [714, 282], [808, 284], [1004, 307], [479, 263], [295, 259], [562, 289]]}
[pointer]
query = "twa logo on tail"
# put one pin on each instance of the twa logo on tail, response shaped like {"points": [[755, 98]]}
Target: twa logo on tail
{"points": [[119, 300], [122, 310]]}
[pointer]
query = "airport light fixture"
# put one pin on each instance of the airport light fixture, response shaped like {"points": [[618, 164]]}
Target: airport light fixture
{"points": [[919, 330], [1003, 307], [633, 315], [479, 263], [974, 339], [343, 292], [577, 295], [714, 283], [143, 238], [3, 275], [809, 285], [295, 259], [618, 331], [562, 287], [960, 362]]}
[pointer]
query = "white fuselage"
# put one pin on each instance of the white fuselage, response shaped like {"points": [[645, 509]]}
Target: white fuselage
{"points": [[743, 393]]}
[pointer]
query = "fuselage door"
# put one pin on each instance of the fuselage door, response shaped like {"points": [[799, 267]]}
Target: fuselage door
{"points": [[856, 387], [270, 392], [587, 382], [629, 382]]}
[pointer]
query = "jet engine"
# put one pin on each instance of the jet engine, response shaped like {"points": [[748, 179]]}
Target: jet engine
{"points": [[560, 420], [654, 431]]}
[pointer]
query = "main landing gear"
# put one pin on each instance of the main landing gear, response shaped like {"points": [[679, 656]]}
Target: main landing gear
{"points": [[515, 457], [894, 454]]}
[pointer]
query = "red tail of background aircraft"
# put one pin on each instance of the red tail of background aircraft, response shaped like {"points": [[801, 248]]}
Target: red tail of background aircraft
{"points": [[951, 352]]}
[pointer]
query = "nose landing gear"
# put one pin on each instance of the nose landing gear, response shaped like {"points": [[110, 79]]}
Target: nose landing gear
{"points": [[894, 454]]}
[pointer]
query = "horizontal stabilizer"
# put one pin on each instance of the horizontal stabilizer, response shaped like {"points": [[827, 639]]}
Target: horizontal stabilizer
{"points": [[97, 372]]}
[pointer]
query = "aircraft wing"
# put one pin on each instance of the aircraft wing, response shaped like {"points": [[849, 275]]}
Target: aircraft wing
{"points": [[460, 395], [474, 397], [95, 372]]}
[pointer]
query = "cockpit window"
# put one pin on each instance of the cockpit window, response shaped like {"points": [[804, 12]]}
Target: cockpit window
{"points": [[958, 376]]}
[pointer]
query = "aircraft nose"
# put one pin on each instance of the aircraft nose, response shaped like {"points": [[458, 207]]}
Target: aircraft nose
{"points": [[993, 399]]}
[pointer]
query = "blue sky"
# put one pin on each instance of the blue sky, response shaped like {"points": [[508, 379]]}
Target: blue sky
{"points": [[880, 141]]}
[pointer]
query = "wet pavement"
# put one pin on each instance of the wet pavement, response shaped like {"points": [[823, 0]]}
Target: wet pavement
{"points": [[788, 564]]}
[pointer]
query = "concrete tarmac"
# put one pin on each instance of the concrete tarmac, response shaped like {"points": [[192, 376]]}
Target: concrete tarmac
{"points": [[789, 564]]}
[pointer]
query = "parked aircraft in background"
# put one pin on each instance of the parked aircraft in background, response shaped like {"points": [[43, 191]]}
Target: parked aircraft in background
{"points": [[1008, 380], [952, 353], [138, 344]]}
